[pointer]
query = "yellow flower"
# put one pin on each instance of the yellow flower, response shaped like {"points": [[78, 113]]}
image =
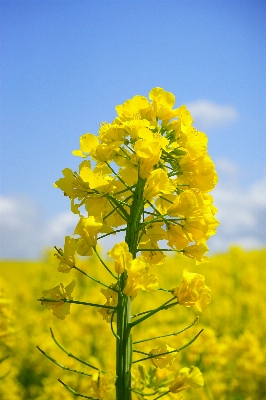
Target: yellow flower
{"points": [[88, 142], [163, 103], [193, 291], [157, 183], [164, 360], [139, 278], [122, 257], [197, 251], [101, 382], [112, 299], [96, 180], [187, 377], [53, 299], [72, 185], [176, 237], [153, 233], [199, 173], [148, 150], [88, 229], [136, 108], [67, 257]]}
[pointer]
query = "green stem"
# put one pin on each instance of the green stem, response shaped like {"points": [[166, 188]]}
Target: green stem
{"points": [[124, 339]]}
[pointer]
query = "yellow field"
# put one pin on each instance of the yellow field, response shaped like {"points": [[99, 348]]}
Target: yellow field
{"points": [[231, 351]]}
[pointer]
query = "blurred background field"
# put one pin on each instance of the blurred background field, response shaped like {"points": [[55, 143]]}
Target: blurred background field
{"points": [[230, 351]]}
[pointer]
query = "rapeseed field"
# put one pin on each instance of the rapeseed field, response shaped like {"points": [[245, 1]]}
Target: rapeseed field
{"points": [[230, 352]]}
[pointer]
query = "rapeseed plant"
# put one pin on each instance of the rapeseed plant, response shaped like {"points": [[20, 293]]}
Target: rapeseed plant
{"points": [[147, 174]]}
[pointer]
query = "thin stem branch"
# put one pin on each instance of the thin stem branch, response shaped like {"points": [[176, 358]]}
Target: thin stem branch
{"points": [[140, 352], [88, 304], [61, 365], [169, 334], [143, 394], [161, 395], [84, 303], [118, 208], [70, 354], [172, 351], [121, 180], [112, 233], [103, 263], [77, 393], [177, 251], [164, 306], [112, 328], [94, 279]]}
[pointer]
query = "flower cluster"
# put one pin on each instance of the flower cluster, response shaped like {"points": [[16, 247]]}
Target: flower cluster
{"points": [[148, 140]]}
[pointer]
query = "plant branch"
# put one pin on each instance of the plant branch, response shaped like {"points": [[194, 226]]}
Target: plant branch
{"points": [[94, 279], [77, 393], [61, 365], [70, 354], [103, 263], [172, 351], [169, 334], [164, 306]]}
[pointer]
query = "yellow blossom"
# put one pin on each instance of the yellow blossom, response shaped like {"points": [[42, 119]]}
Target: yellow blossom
{"points": [[164, 360], [148, 150], [157, 183], [197, 251], [88, 229], [176, 237], [53, 299], [112, 299], [163, 103], [136, 108], [187, 377], [67, 257], [101, 382], [88, 142], [122, 257], [198, 173], [192, 291], [95, 180], [71, 184], [139, 278]]}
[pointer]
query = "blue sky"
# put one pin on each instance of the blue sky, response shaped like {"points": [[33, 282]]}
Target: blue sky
{"points": [[67, 64]]}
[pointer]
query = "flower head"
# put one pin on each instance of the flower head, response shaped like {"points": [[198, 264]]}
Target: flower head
{"points": [[101, 382], [193, 291], [187, 377], [54, 298], [139, 278], [67, 257], [163, 358]]}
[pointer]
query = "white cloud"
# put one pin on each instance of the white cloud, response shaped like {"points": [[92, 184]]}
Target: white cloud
{"points": [[25, 230], [242, 214], [209, 115], [227, 167]]}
